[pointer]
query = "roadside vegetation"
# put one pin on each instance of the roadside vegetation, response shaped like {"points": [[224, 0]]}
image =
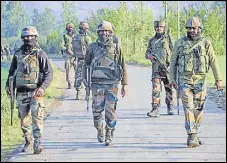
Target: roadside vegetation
{"points": [[11, 136]]}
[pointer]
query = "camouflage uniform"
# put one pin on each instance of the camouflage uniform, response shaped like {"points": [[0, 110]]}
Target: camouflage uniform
{"points": [[162, 46], [31, 70], [80, 44], [107, 66], [193, 58], [67, 52]]}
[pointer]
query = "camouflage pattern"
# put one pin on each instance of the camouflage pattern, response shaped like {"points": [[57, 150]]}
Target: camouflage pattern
{"points": [[193, 59], [104, 97], [105, 26], [69, 25], [79, 76], [193, 99], [163, 48], [28, 70], [70, 60], [30, 112], [157, 89], [83, 25], [28, 31], [194, 22]]}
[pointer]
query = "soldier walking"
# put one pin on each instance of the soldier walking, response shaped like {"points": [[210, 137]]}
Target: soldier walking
{"points": [[32, 73], [161, 45], [192, 56], [107, 68]]}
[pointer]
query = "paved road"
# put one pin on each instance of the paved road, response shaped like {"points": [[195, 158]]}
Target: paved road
{"points": [[69, 134]]}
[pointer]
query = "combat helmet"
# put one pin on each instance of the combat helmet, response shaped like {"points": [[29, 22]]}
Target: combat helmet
{"points": [[105, 25], [29, 31], [194, 22], [83, 25], [69, 25], [159, 23]]}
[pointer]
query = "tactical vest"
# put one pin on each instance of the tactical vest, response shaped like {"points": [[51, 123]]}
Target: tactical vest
{"points": [[79, 45], [161, 47], [193, 58], [104, 65], [27, 72]]}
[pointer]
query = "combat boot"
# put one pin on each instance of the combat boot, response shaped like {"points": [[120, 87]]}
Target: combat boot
{"points": [[200, 141], [192, 140], [37, 148], [69, 85], [100, 135], [153, 113], [28, 144], [170, 110], [109, 137]]}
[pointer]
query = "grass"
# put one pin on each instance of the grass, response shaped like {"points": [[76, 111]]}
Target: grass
{"points": [[11, 136]]}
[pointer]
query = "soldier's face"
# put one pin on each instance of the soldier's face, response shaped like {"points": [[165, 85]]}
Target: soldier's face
{"points": [[159, 29], [192, 31], [28, 37], [104, 34]]}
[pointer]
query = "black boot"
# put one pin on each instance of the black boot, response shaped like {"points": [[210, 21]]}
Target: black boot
{"points": [[37, 147], [28, 144]]}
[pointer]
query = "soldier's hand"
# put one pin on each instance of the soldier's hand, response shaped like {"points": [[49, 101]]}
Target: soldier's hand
{"points": [[150, 57], [8, 91], [70, 52], [39, 92], [219, 85], [123, 90], [174, 85]]}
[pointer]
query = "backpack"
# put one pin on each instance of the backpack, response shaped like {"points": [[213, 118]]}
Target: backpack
{"points": [[79, 45]]}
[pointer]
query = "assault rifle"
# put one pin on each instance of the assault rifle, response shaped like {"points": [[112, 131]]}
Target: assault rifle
{"points": [[87, 83], [12, 96], [158, 59]]}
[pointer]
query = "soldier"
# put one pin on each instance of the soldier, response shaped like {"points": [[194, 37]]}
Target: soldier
{"points": [[80, 44], [193, 55], [2, 52], [161, 45], [32, 74], [67, 52], [107, 68], [7, 51]]}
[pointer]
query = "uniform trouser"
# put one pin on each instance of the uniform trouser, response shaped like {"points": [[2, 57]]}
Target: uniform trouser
{"points": [[31, 113], [104, 97], [79, 76], [157, 89], [70, 62], [193, 100]]}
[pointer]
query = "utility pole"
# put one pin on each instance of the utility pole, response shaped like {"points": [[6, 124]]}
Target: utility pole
{"points": [[178, 20]]}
